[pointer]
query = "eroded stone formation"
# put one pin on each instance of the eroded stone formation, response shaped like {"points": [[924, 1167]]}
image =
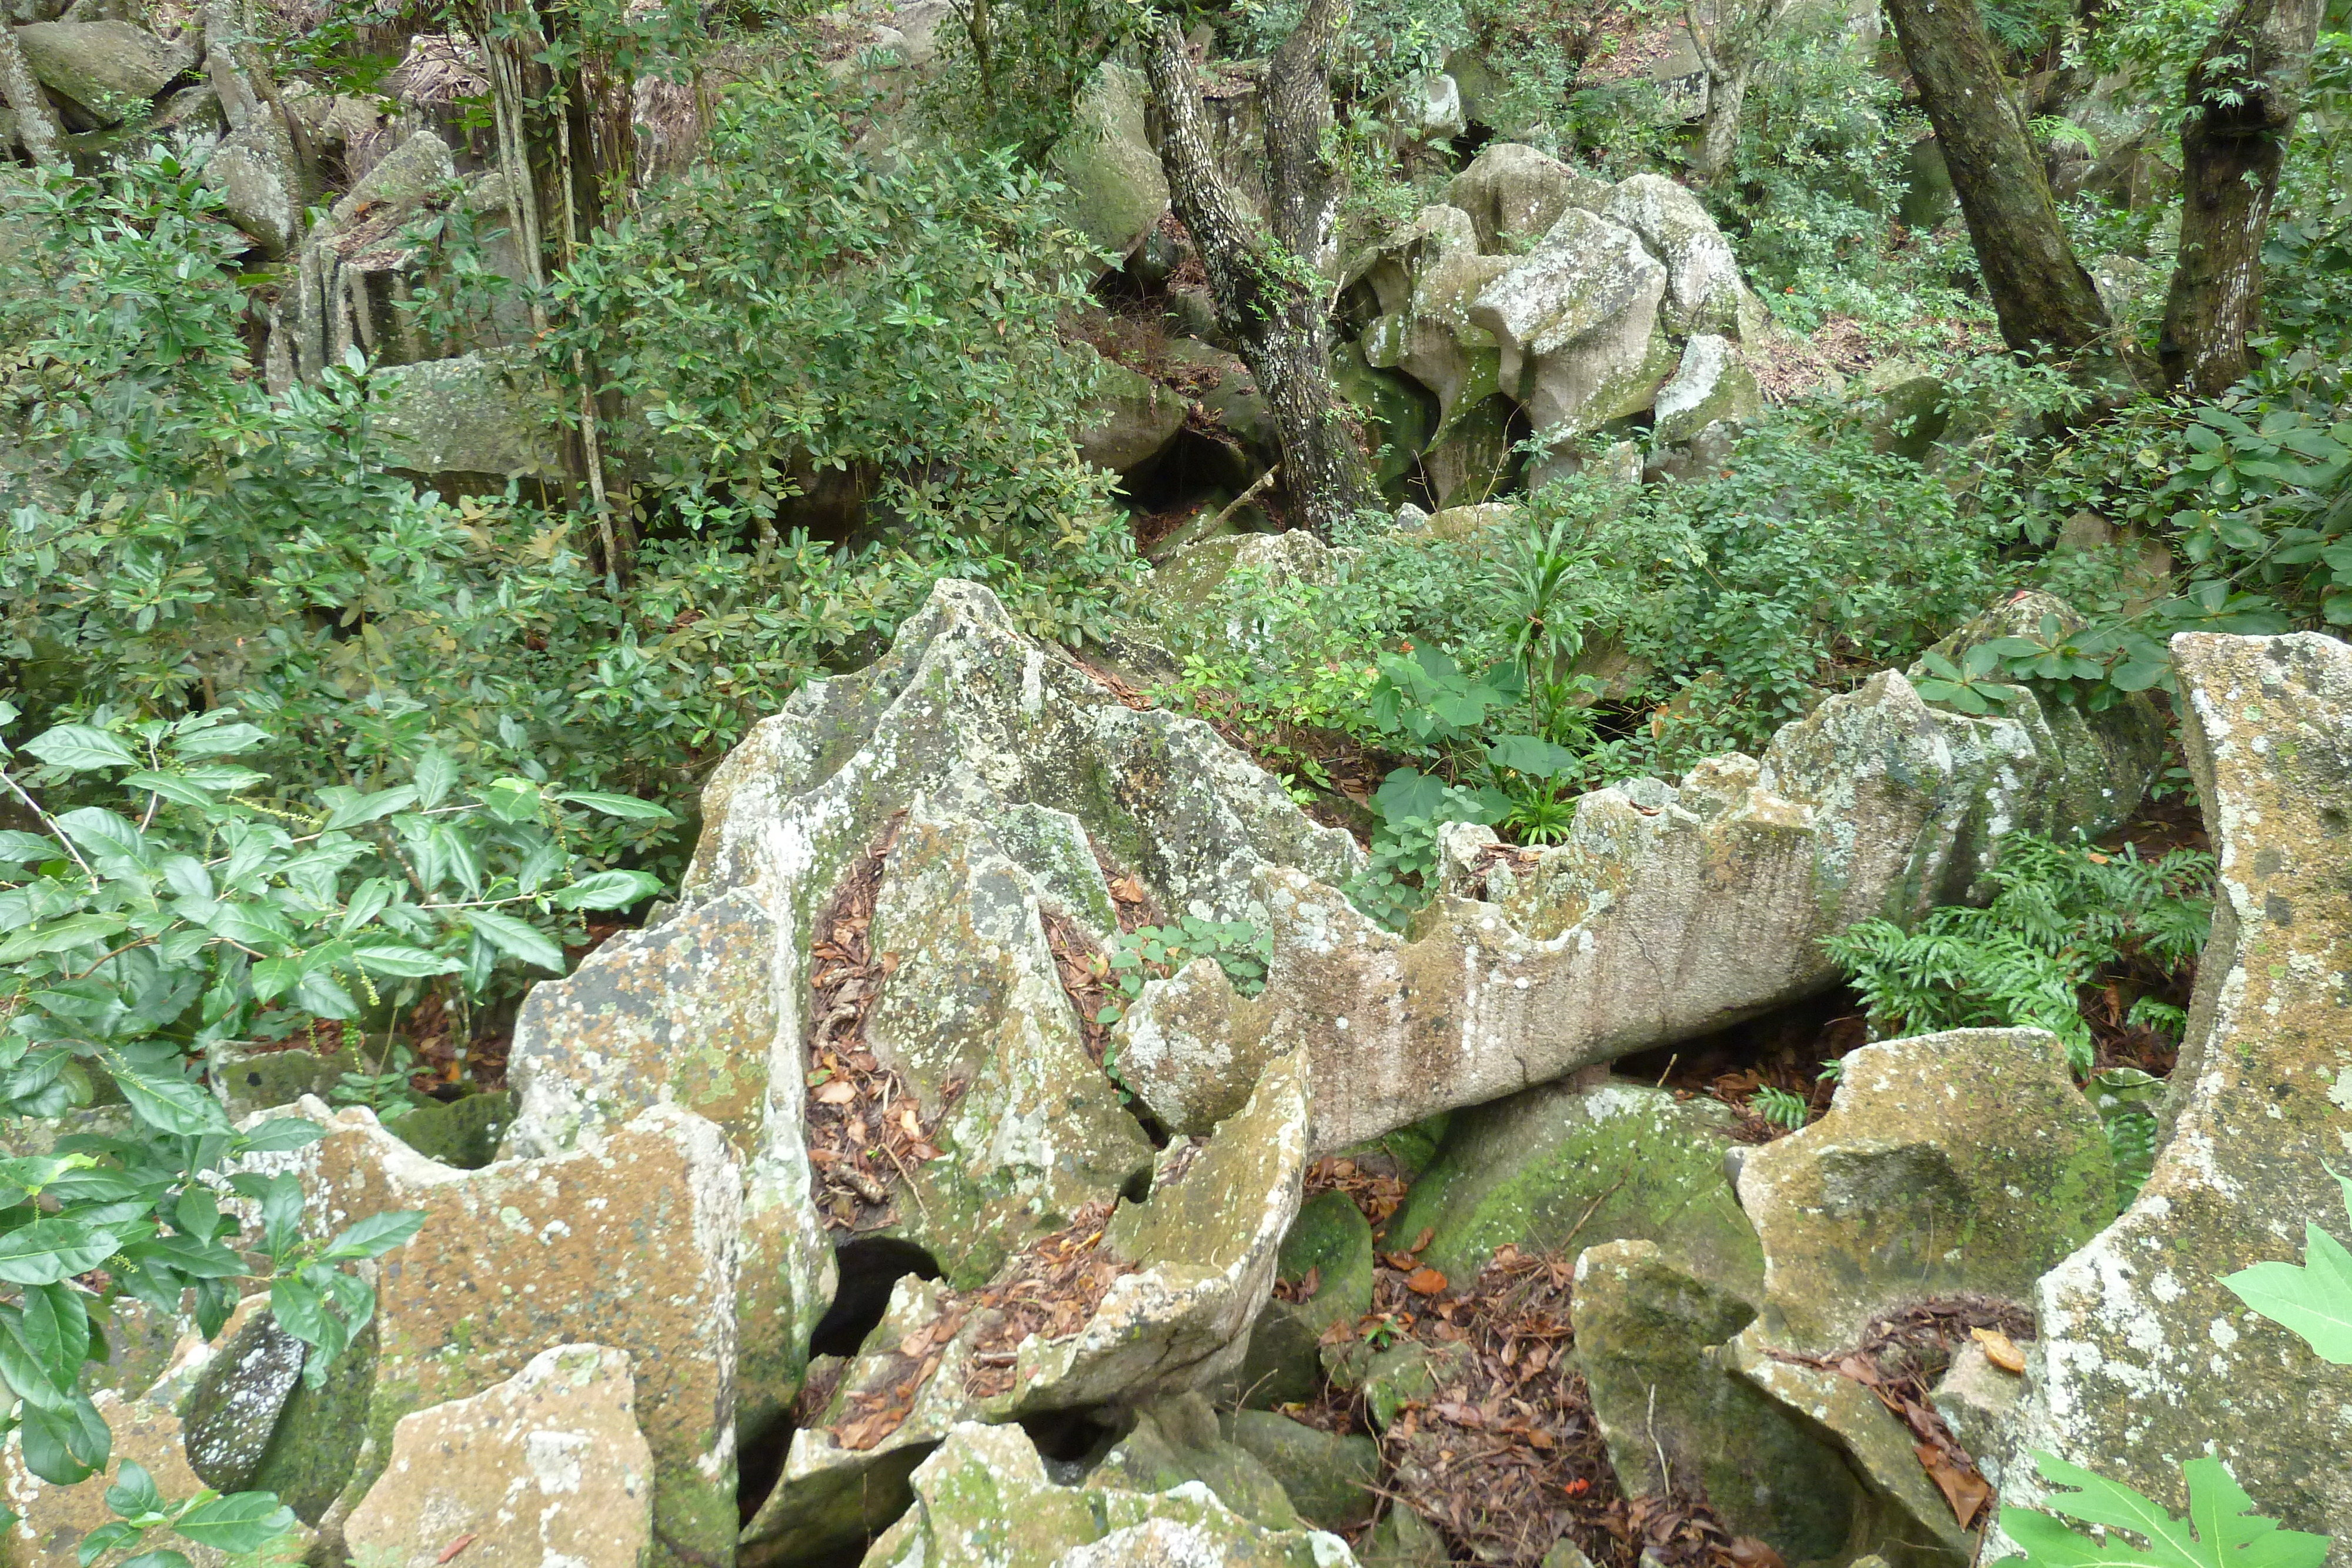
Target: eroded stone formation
{"points": [[835, 1216]]}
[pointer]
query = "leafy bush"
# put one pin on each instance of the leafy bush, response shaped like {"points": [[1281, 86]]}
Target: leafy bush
{"points": [[2060, 918], [1155, 952], [172, 916], [790, 307]]}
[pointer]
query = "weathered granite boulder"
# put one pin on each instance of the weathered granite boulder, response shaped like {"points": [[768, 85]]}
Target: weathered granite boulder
{"points": [[1114, 188], [1576, 325], [103, 68], [1330, 1246], [1711, 383], [1433, 337], [1966, 1161], [547, 1467], [1667, 912], [1177, 1439], [1133, 421], [1704, 290], [974, 1021], [1514, 193], [1189, 1268], [2145, 1359], [1652, 1340], [262, 187], [472, 421], [1904, 1520], [1978, 1402], [982, 721], [1329, 1477], [630, 1241], [1561, 1166], [233, 1410], [983, 1501]]}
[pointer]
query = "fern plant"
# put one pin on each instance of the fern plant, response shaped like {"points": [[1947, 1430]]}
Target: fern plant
{"points": [[2061, 917]]}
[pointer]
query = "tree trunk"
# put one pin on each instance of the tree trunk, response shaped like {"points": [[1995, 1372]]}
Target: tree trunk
{"points": [[1270, 296], [1718, 136], [2244, 94], [2040, 291]]}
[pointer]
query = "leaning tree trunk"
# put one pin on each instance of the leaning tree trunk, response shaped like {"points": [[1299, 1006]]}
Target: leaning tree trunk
{"points": [[2040, 292], [1718, 135], [1269, 296], [2244, 94]]}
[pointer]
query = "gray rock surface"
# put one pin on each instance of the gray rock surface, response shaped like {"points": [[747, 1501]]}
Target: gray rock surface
{"points": [[1711, 381], [1576, 325], [1704, 289], [1561, 1166], [1133, 421], [983, 1501], [1115, 189], [548, 1466], [104, 68], [631, 1241], [1962, 1162], [1652, 1340], [231, 1413], [1514, 193], [2144, 1359], [478, 419]]}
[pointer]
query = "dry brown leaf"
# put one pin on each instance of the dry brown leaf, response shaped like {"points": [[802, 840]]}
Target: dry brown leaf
{"points": [[1962, 1487], [840, 1091], [1420, 1242], [1750, 1552], [2000, 1349], [1424, 1282]]}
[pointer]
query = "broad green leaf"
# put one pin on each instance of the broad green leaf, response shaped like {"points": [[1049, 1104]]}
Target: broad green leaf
{"points": [[186, 791], [517, 938], [1531, 755], [2218, 1532], [399, 960], [170, 1105], [2314, 1301], [436, 774], [55, 1328], [349, 807], [241, 1522], [606, 890], [220, 740], [66, 1445], [114, 1532], [616, 805], [279, 1134], [48, 1250], [60, 936], [162, 1557], [79, 747], [186, 1255], [133, 1491], [17, 846], [375, 1236]]}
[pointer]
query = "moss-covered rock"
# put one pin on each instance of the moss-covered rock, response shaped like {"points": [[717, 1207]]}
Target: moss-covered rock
{"points": [[463, 1132], [1560, 1168], [1177, 1439], [1966, 1161], [983, 1501], [1650, 1341], [1332, 1242], [1328, 1477], [1114, 188], [1036, 1132], [2145, 1358]]}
